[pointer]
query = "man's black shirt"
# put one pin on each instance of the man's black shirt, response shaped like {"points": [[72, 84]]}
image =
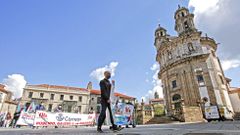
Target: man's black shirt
{"points": [[105, 87]]}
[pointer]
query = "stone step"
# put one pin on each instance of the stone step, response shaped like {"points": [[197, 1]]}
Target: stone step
{"points": [[160, 120]]}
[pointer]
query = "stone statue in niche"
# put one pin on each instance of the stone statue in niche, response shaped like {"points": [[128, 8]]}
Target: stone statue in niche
{"points": [[169, 55], [190, 47]]}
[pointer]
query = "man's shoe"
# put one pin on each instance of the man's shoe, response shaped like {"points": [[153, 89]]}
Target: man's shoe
{"points": [[115, 128], [99, 130]]}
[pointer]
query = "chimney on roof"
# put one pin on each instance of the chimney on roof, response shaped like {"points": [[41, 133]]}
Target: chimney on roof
{"points": [[89, 86]]}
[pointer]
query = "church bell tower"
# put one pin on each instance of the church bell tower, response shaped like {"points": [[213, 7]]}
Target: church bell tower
{"points": [[184, 22]]}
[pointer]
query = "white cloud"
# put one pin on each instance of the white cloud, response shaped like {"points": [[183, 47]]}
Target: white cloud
{"points": [[229, 64], [220, 19], [205, 9], [99, 72], [202, 6], [157, 84], [15, 83], [155, 66]]}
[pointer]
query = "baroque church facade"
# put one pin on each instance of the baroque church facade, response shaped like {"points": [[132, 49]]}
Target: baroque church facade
{"points": [[190, 71]]}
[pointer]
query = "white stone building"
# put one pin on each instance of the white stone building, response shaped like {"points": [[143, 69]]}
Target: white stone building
{"points": [[7, 104], [72, 99]]}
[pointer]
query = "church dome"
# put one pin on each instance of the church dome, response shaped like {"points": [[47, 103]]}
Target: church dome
{"points": [[160, 31]]}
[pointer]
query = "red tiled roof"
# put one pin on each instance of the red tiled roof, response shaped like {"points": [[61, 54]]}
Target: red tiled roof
{"points": [[59, 87], [122, 95], [2, 88], [234, 90], [98, 92]]}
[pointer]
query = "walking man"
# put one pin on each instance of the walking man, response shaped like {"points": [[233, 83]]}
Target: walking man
{"points": [[105, 87]]}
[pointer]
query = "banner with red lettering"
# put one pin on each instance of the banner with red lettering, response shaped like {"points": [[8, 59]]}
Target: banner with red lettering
{"points": [[26, 119], [43, 118]]}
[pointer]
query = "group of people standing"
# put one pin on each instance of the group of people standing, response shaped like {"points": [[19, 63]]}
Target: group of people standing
{"points": [[7, 120]]}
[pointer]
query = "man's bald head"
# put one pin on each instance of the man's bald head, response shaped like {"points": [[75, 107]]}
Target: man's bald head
{"points": [[107, 74]]}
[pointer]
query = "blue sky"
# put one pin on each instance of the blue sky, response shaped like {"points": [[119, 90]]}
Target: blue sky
{"points": [[62, 42]]}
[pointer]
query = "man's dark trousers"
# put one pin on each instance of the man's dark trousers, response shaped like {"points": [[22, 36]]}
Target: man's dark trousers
{"points": [[102, 115]]}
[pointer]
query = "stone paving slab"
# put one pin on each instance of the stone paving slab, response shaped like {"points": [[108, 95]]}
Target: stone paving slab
{"points": [[214, 128]]}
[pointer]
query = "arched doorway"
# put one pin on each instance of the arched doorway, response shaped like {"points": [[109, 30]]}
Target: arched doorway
{"points": [[176, 101]]}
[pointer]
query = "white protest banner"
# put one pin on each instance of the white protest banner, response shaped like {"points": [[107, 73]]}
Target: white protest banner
{"points": [[43, 118], [26, 119]]}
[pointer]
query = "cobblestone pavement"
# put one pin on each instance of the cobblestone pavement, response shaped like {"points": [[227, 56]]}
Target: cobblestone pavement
{"points": [[213, 128]]}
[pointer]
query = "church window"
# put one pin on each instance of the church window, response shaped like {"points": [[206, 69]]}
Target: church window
{"points": [[71, 97], [176, 98], [30, 94], [156, 95], [52, 97], [41, 95], [61, 97], [80, 98], [186, 25], [221, 78], [200, 80], [182, 14], [174, 84]]}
